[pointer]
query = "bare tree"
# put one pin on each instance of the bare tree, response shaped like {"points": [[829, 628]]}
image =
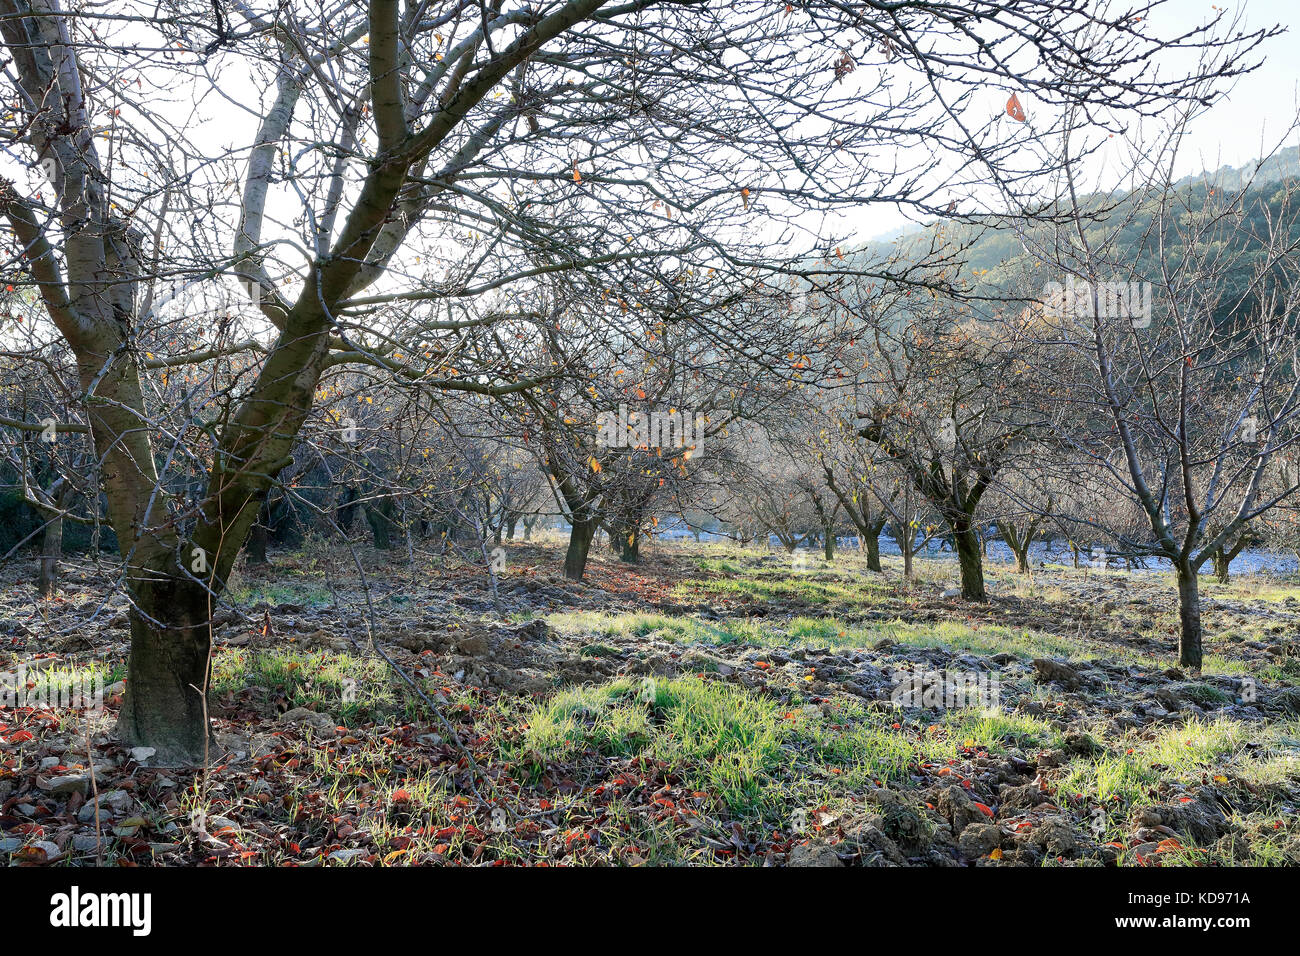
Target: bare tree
{"points": [[1180, 361], [446, 155]]}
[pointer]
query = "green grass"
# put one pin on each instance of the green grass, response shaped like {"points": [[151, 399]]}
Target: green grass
{"points": [[809, 588], [812, 632], [65, 677], [1182, 753], [726, 741], [864, 746], [349, 688], [684, 630]]}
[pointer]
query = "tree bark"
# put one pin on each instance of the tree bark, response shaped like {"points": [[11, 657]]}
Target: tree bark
{"points": [[872, 542], [1222, 564], [346, 511], [51, 551], [1019, 544], [256, 550], [967, 546], [381, 524], [629, 546], [258, 539], [1189, 616], [168, 670], [575, 559]]}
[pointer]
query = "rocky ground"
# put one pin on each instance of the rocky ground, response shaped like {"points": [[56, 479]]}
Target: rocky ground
{"points": [[710, 706]]}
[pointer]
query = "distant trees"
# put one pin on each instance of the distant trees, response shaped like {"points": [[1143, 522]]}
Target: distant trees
{"points": [[940, 394], [406, 177], [1185, 407]]}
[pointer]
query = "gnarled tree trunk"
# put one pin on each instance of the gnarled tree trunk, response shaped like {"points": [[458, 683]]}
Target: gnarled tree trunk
{"points": [[575, 559], [168, 669]]}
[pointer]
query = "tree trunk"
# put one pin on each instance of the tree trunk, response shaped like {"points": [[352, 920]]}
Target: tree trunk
{"points": [[967, 546], [575, 559], [1018, 544], [1189, 616], [168, 667], [872, 541], [256, 549], [346, 512], [828, 545], [51, 551], [1221, 565], [381, 524], [629, 546], [258, 539]]}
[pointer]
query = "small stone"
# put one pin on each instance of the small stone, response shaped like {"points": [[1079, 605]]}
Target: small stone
{"points": [[48, 763], [142, 754], [117, 801], [344, 856], [1144, 850], [979, 840], [1050, 670], [51, 851], [85, 843], [66, 786], [813, 855], [321, 723], [950, 594]]}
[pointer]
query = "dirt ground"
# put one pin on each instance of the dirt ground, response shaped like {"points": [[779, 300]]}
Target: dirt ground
{"points": [[710, 705]]}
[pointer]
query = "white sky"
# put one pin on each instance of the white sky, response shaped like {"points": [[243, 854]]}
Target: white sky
{"points": [[1249, 122]]}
